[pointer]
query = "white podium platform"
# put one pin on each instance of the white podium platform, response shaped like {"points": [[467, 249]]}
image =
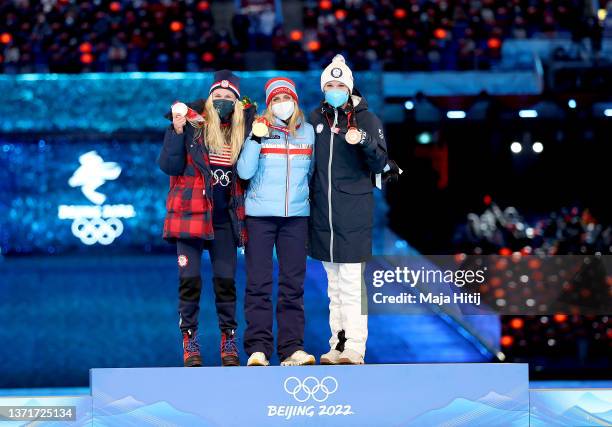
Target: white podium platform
{"points": [[488, 395], [371, 395]]}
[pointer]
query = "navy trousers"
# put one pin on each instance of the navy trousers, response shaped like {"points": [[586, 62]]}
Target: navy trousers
{"points": [[222, 252], [289, 235]]}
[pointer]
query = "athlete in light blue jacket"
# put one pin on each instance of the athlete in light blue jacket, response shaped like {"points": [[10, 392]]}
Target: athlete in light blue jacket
{"points": [[278, 166]]}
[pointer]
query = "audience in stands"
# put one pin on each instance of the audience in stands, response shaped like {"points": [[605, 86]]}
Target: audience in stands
{"points": [[71, 36], [581, 285], [570, 232]]}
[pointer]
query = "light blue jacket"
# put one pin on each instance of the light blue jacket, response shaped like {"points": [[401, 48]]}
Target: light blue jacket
{"points": [[279, 171]]}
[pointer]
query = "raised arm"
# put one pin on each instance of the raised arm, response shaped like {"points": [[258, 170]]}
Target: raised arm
{"points": [[172, 157]]}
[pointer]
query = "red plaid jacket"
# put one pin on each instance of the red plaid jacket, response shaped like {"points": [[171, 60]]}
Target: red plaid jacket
{"points": [[189, 204]]}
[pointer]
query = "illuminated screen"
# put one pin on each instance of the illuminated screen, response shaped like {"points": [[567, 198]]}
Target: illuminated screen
{"points": [[66, 193]]}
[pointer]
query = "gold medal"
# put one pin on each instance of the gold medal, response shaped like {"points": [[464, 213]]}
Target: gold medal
{"points": [[353, 136], [260, 129]]}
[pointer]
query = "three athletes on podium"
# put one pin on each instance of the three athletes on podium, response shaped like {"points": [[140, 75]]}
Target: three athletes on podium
{"points": [[303, 190]]}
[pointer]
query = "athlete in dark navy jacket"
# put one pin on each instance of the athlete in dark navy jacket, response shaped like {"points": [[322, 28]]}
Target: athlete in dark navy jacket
{"points": [[350, 149]]}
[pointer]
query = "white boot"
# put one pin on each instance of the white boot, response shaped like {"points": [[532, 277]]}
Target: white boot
{"points": [[299, 358], [350, 357], [331, 357], [258, 359]]}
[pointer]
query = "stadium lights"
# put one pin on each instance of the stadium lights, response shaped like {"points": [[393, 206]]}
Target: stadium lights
{"points": [[399, 13], [537, 147], [571, 103], [6, 38], [516, 147], [528, 114], [602, 14], [458, 114], [314, 45], [296, 35], [409, 105], [424, 138], [608, 112]]}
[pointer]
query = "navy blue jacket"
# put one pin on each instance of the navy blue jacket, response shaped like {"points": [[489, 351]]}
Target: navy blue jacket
{"points": [[341, 203]]}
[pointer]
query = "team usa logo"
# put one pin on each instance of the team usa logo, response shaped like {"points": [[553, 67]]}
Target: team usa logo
{"points": [[224, 83], [183, 260], [97, 223]]}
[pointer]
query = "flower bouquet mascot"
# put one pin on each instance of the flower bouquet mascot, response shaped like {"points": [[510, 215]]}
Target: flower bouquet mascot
{"points": [[277, 159], [350, 148], [205, 204]]}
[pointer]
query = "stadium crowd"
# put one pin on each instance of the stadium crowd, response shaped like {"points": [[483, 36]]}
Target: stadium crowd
{"points": [[72, 36], [538, 280]]}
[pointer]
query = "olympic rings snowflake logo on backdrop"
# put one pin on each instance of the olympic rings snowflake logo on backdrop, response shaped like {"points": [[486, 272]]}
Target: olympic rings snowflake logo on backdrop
{"points": [[97, 230], [97, 223], [221, 177], [311, 388]]}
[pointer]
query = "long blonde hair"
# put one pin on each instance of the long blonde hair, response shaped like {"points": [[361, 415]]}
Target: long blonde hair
{"points": [[215, 137], [296, 118]]}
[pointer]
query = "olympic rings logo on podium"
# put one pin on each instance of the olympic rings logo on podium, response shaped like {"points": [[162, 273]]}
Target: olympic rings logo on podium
{"points": [[97, 230], [311, 388]]}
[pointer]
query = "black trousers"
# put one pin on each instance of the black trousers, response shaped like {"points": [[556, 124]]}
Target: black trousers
{"points": [[289, 235], [223, 258]]}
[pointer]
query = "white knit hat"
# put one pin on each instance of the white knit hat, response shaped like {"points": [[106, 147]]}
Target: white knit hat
{"points": [[338, 71]]}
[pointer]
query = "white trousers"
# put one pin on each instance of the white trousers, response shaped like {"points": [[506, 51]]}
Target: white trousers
{"points": [[345, 293]]}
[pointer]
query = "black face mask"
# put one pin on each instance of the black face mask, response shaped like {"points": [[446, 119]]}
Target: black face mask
{"points": [[224, 108]]}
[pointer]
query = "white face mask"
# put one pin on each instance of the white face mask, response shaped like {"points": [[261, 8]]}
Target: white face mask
{"points": [[283, 110]]}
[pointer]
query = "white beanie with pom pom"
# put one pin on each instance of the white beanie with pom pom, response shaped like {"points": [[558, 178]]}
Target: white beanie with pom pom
{"points": [[338, 71]]}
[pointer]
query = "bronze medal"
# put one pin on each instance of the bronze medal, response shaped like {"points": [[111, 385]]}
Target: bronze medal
{"points": [[353, 136]]}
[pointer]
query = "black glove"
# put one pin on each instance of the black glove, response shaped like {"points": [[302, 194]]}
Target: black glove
{"points": [[257, 139], [393, 174]]}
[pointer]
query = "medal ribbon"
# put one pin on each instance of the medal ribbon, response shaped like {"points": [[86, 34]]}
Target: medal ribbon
{"points": [[283, 129], [349, 116]]}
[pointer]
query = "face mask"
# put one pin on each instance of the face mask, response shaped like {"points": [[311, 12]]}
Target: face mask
{"points": [[283, 110], [224, 107], [336, 97]]}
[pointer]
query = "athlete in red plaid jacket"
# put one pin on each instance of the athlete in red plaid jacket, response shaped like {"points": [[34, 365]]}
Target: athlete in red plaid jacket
{"points": [[189, 204], [205, 205]]}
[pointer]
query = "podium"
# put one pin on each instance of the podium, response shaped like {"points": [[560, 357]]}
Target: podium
{"points": [[491, 395], [371, 395]]}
